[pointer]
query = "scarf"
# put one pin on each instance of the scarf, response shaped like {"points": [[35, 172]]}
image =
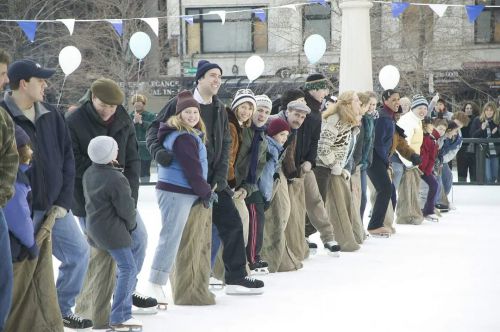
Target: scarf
{"points": [[254, 153]]}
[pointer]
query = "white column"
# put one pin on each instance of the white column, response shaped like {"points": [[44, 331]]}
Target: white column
{"points": [[356, 49]]}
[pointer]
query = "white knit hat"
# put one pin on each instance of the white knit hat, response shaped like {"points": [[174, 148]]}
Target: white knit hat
{"points": [[263, 101], [102, 149], [243, 96]]}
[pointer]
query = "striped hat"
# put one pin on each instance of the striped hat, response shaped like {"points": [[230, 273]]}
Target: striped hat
{"points": [[418, 100], [263, 101], [243, 96]]}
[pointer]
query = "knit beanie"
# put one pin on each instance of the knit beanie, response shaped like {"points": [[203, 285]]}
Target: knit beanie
{"points": [[107, 91], [102, 149], [290, 95], [22, 138], [203, 67], [298, 106], [138, 98], [185, 99], [316, 82], [243, 96], [263, 101], [418, 100], [277, 126]]}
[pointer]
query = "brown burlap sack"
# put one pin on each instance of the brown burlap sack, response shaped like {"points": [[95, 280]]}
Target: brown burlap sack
{"points": [[389, 215], [276, 215], [34, 300], [191, 273], [341, 211], [94, 301], [296, 248], [408, 208], [357, 223]]}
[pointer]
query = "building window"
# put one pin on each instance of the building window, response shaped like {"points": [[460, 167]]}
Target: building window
{"points": [[317, 20], [487, 25], [241, 32]]}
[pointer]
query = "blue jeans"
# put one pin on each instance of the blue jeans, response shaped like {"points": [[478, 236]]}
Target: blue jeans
{"points": [[397, 173], [175, 208], [446, 178], [121, 310], [139, 241], [491, 170], [6, 273], [215, 246], [70, 247], [363, 194]]}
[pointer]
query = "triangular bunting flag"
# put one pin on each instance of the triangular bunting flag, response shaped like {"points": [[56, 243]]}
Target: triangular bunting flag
{"points": [[261, 14], [398, 8], [221, 13], [188, 19], [118, 25], [439, 9], [153, 24], [473, 12], [69, 23], [320, 2], [29, 28]]}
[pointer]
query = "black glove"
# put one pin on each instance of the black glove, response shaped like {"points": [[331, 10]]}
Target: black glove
{"points": [[33, 252], [266, 205], [276, 176], [209, 201], [415, 159], [163, 157]]}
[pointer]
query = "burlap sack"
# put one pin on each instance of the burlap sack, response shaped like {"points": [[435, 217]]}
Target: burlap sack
{"points": [[408, 209], [341, 211], [94, 301], [191, 273], [34, 300], [389, 214], [357, 223], [276, 215], [296, 248]]}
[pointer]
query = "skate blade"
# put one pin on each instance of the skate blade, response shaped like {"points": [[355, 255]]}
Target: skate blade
{"points": [[144, 311], [432, 219], [313, 252], [216, 287], [67, 329], [260, 271], [125, 328], [381, 235], [162, 306], [240, 290], [335, 254]]}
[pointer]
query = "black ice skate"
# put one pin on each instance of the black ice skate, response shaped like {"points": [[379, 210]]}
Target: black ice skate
{"points": [[442, 208], [313, 247], [245, 286], [143, 305], [77, 323], [333, 248], [259, 267]]}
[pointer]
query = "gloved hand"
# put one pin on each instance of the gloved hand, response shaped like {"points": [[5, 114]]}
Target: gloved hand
{"points": [[163, 157], [306, 167], [33, 252], [240, 194], [346, 174], [60, 212], [133, 228], [266, 205], [210, 200], [415, 159]]}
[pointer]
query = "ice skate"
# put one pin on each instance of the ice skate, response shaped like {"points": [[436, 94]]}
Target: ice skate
{"points": [[380, 232], [245, 286], [215, 284], [76, 323], [157, 292], [432, 217], [442, 208], [259, 267], [313, 247], [332, 248], [143, 305], [131, 325], [437, 213]]}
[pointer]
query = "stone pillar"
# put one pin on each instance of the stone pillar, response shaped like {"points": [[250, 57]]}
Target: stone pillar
{"points": [[356, 50]]}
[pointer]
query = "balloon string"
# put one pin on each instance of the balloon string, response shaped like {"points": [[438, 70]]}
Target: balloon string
{"points": [[137, 87], [62, 87]]}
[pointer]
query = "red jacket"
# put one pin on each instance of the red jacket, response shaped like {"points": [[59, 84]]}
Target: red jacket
{"points": [[428, 152]]}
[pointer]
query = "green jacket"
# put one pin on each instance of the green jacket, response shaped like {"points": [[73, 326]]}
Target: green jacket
{"points": [[9, 159], [140, 132]]}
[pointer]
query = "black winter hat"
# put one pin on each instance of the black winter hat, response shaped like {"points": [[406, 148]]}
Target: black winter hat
{"points": [[203, 67], [291, 95], [22, 138]]}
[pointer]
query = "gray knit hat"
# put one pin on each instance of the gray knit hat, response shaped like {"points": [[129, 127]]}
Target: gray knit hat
{"points": [[418, 100], [102, 149], [263, 101], [298, 106]]}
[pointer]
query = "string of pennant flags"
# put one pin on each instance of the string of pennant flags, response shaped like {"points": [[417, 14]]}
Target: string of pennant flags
{"points": [[29, 27]]}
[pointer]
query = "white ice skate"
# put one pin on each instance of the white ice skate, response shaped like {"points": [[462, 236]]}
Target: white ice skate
{"points": [[143, 305], [215, 284], [156, 291], [313, 247], [432, 217], [259, 268], [381, 232], [332, 248], [131, 325]]}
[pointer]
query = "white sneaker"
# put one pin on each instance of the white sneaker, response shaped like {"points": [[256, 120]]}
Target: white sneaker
{"points": [[130, 325], [156, 291]]}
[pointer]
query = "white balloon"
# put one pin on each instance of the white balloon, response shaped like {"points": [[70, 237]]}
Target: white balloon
{"points": [[389, 77], [314, 47], [254, 67], [140, 44], [69, 59]]}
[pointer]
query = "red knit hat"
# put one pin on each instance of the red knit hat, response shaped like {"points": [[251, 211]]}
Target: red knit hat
{"points": [[184, 100], [277, 126]]}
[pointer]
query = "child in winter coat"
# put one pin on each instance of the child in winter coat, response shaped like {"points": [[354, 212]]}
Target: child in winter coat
{"points": [[18, 209], [179, 185], [428, 153], [110, 222]]}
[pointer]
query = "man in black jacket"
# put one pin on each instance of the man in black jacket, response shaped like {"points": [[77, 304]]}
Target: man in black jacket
{"points": [[224, 215], [51, 176], [104, 115]]}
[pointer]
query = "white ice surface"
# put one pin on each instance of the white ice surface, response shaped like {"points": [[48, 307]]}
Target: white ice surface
{"points": [[434, 277]]}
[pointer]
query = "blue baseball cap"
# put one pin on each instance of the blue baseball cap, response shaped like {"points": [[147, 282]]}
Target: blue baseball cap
{"points": [[26, 69]]}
